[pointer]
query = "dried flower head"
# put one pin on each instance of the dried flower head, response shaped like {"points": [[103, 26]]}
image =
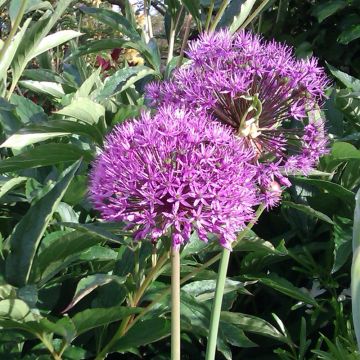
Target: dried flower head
{"points": [[270, 99], [174, 173]]}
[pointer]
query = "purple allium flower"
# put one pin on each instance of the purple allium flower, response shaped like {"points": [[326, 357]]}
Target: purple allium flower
{"points": [[174, 173], [270, 99]]}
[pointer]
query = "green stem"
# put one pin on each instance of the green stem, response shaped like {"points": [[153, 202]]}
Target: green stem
{"points": [[204, 266], [124, 327], [175, 305], [253, 15], [219, 14], [216, 309], [171, 41], [185, 39], [219, 293], [209, 15], [13, 30]]}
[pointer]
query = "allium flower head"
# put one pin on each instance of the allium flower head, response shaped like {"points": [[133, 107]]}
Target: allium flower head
{"points": [[259, 89], [174, 173]]}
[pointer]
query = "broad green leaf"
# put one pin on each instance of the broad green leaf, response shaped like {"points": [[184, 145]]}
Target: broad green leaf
{"points": [[252, 324], [342, 242], [44, 155], [205, 289], [15, 309], [355, 270], [143, 333], [108, 44], [114, 20], [31, 5], [44, 87], [83, 109], [10, 184], [350, 34], [98, 230], [52, 41], [193, 6], [235, 14], [27, 235], [349, 81], [349, 103], [32, 43], [126, 112], [308, 211], [284, 286], [328, 8], [344, 151], [51, 257], [334, 189], [122, 80], [89, 284], [39, 132], [88, 84], [28, 111], [6, 60], [92, 318]]}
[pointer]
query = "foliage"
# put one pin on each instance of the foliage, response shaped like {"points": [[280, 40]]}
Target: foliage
{"points": [[70, 284]]}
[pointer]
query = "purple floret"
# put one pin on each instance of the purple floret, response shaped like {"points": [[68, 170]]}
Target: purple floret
{"points": [[269, 99], [174, 173]]}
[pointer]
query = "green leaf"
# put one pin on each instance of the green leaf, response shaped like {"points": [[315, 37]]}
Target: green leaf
{"points": [[44, 87], [342, 242], [39, 132], [235, 14], [114, 20], [126, 112], [143, 333], [326, 9], [344, 151], [15, 309], [10, 184], [285, 287], [349, 81], [122, 80], [52, 41], [50, 259], [350, 34], [89, 284], [31, 5], [99, 230], [92, 318], [108, 44], [34, 41], [252, 324], [193, 7], [83, 109], [44, 155], [27, 235], [28, 111], [334, 189], [355, 270], [308, 211], [6, 60], [205, 289]]}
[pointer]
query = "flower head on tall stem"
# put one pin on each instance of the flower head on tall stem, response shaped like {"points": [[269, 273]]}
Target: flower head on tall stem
{"points": [[269, 99], [174, 173]]}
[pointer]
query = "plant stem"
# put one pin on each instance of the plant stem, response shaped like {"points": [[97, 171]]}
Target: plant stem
{"points": [[171, 41], [175, 304], [253, 15], [155, 271], [185, 39], [216, 309], [204, 266], [14, 27], [209, 15], [219, 14]]}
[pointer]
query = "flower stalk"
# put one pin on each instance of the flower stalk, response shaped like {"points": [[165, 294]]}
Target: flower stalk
{"points": [[175, 304], [216, 309]]}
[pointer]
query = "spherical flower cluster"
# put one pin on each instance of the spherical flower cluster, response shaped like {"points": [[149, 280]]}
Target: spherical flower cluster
{"points": [[259, 89], [174, 173]]}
